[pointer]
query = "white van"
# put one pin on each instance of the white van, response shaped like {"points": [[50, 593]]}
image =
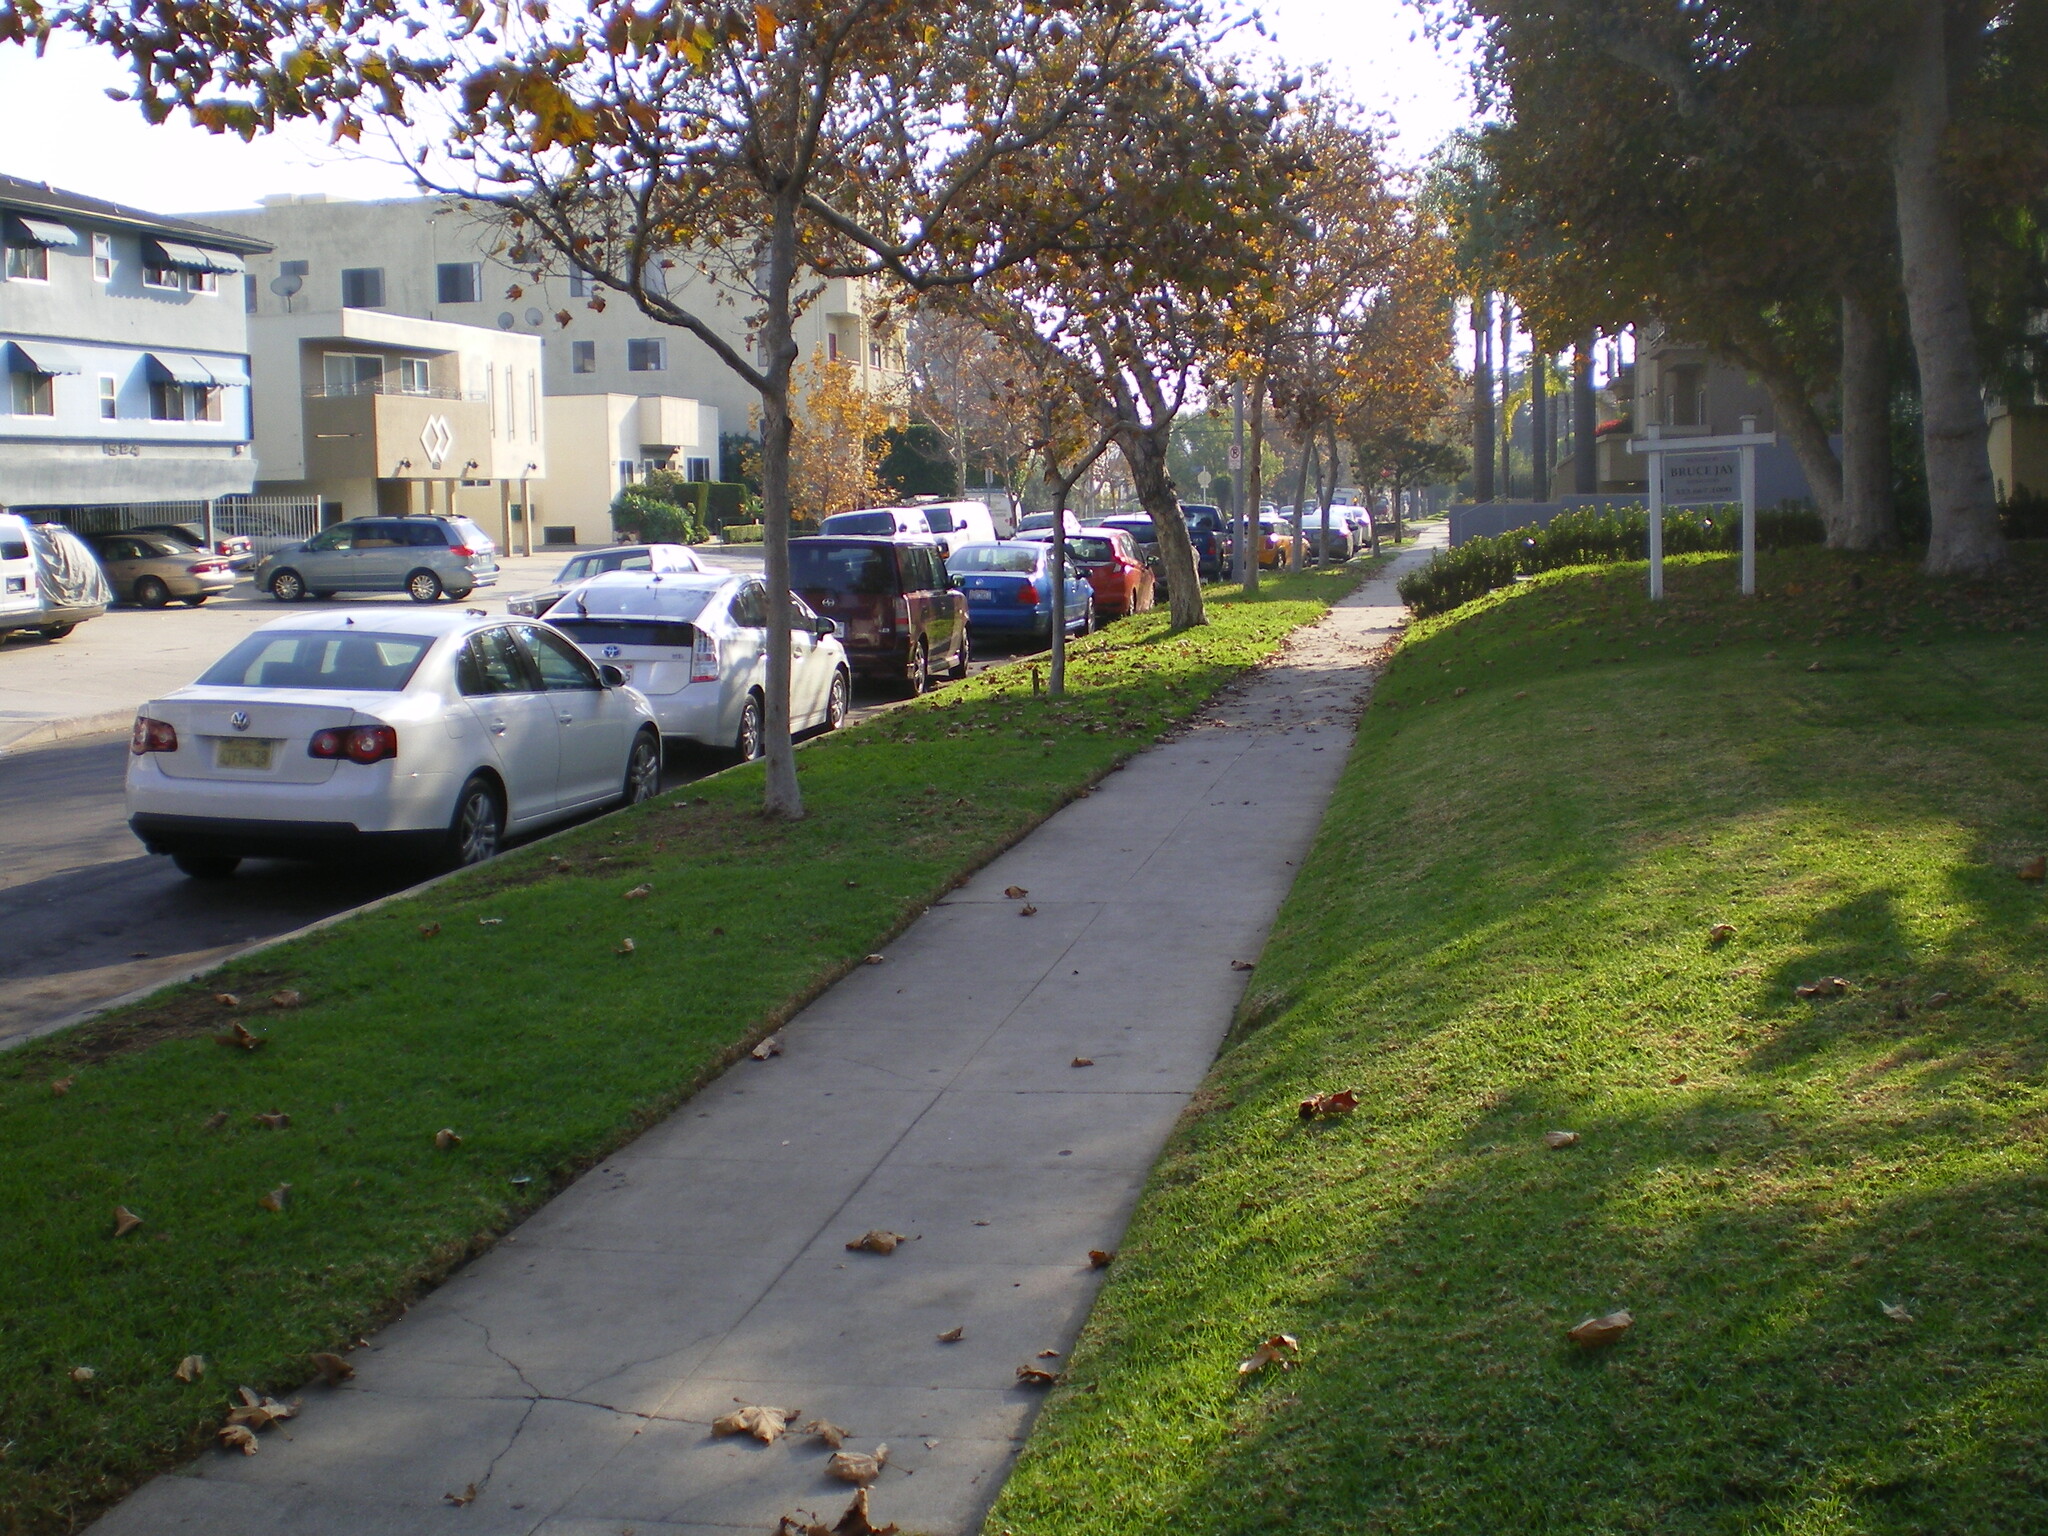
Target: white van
{"points": [[878, 523], [959, 522], [49, 580]]}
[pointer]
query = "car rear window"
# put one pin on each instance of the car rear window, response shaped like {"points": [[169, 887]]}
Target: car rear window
{"points": [[426, 535], [939, 520], [470, 533], [1089, 549], [320, 659], [859, 568], [1004, 558], [1141, 530], [654, 632], [879, 524]]}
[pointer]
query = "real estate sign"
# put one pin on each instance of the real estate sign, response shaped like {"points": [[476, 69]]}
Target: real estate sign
{"points": [[1691, 479]]}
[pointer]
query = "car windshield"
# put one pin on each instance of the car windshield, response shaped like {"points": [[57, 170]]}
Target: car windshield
{"points": [[325, 659], [839, 567], [1007, 558], [939, 520], [654, 632], [874, 523], [583, 567]]}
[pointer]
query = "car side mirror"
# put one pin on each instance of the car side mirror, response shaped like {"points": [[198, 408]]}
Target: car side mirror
{"points": [[827, 626], [611, 676]]}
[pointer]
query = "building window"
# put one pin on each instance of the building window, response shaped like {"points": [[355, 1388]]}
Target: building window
{"points": [[202, 282], [103, 258], [28, 264], [581, 285], [647, 354], [206, 404], [532, 406], [874, 354], [250, 294], [583, 357], [459, 282], [696, 469], [832, 347], [155, 276], [412, 376], [491, 393], [34, 394], [110, 397], [362, 287], [351, 373], [166, 401]]}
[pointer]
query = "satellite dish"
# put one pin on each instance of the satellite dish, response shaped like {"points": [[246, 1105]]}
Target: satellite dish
{"points": [[285, 287], [505, 321], [534, 317]]}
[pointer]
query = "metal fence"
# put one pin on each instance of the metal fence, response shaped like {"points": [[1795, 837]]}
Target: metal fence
{"points": [[268, 522]]}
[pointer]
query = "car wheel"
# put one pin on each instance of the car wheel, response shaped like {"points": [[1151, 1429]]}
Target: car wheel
{"points": [[456, 597], [206, 866], [479, 823], [56, 631], [197, 599], [966, 655], [749, 744], [838, 700], [150, 592], [1088, 618], [288, 587], [920, 676], [423, 587], [643, 769]]}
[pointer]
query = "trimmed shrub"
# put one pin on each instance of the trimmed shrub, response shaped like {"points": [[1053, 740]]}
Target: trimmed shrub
{"points": [[744, 533], [654, 518], [1594, 536]]}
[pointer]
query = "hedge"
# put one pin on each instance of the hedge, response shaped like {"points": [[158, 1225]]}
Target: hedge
{"points": [[1592, 537]]}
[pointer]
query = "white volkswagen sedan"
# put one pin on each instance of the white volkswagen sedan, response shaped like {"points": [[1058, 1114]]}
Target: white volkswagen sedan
{"points": [[697, 646], [418, 733]]}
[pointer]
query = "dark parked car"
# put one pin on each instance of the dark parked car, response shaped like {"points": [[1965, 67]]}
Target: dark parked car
{"points": [[1143, 534], [1210, 531], [898, 615]]}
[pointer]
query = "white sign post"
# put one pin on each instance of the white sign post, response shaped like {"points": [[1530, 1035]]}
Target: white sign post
{"points": [[1691, 471]]}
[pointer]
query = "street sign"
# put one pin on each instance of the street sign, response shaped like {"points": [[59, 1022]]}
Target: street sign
{"points": [[1236, 456], [1697, 479], [1742, 447]]}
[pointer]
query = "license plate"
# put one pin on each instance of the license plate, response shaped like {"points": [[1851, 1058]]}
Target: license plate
{"points": [[980, 595], [241, 752]]}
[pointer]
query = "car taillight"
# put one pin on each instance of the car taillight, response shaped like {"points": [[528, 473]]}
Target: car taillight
{"points": [[461, 550], [204, 568], [358, 743], [1028, 593], [704, 659], [152, 736]]}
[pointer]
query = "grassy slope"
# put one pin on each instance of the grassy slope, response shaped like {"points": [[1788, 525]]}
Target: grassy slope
{"points": [[1504, 930], [531, 1037]]}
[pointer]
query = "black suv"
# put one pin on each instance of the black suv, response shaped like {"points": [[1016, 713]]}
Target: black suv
{"points": [[1210, 531]]}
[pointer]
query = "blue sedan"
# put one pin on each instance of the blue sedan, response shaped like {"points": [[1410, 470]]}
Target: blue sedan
{"points": [[1009, 590]]}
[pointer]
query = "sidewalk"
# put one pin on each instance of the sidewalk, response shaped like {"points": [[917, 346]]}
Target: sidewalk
{"points": [[571, 1375]]}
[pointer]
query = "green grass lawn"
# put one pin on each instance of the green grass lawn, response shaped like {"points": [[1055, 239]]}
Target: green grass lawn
{"points": [[517, 1024], [1504, 930]]}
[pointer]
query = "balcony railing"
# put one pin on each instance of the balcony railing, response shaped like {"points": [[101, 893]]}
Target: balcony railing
{"points": [[378, 387]]}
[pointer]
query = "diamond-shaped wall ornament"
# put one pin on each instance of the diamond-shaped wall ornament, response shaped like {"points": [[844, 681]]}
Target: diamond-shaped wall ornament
{"points": [[437, 437]]}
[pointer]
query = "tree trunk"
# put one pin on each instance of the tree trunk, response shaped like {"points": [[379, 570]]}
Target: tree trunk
{"points": [[1252, 475], [1506, 369], [1962, 503], [783, 798], [1056, 678], [1308, 458], [1539, 424], [1144, 450], [1807, 436], [1329, 491], [1585, 413], [1869, 519], [1482, 397]]}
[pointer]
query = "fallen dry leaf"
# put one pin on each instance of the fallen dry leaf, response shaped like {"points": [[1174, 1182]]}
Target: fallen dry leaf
{"points": [[1596, 1331], [445, 1138], [872, 959], [639, 893], [290, 997], [625, 947], [83, 1373], [876, 1241], [855, 1522], [332, 1368], [858, 1466], [1099, 1258], [241, 1036], [764, 1424], [1816, 667], [1897, 1311], [1048, 1354], [1032, 1376], [191, 1368], [429, 930], [125, 1221], [1243, 965], [240, 1437], [227, 999], [1342, 1102], [1279, 1350], [952, 1335], [1082, 1061], [1027, 910], [1015, 892], [2035, 868], [215, 1121], [467, 1496], [62, 1086], [489, 922], [1558, 1139], [277, 1120], [277, 1199], [260, 1412], [1720, 933], [826, 1431], [1827, 986], [1940, 999], [772, 1046]]}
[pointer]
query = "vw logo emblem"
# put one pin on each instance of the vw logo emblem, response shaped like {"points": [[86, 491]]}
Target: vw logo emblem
{"points": [[611, 653], [239, 719]]}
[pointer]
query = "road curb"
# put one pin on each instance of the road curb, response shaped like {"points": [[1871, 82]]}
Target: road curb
{"points": [[51, 733]]}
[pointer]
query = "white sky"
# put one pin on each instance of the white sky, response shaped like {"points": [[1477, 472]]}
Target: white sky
{"points": [[57, 124]]}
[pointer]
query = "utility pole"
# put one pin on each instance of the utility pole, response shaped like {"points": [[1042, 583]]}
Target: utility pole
{"points": [[1482, 397]]}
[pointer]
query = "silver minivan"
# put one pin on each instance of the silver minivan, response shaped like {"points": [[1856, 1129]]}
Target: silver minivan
{"points": [[424, 557]]}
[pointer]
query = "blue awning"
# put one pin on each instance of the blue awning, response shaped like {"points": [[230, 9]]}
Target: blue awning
{"points": [[191, 258], [26, 231], [227, 370], [179, 368], [39, 357]]}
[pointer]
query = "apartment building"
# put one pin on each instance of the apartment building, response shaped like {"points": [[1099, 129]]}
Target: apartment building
{"points": [[1683, 390], [125, 346]]}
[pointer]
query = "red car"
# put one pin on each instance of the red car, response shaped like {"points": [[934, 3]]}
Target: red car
{"points": [[1109, 558]]}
